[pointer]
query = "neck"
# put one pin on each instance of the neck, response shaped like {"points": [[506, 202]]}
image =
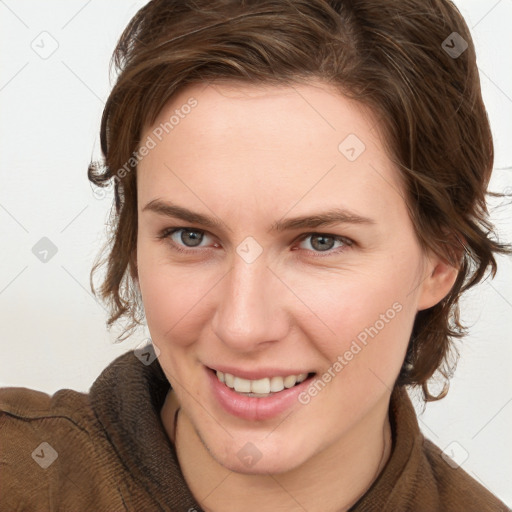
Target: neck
{"points": [[339, 475]]}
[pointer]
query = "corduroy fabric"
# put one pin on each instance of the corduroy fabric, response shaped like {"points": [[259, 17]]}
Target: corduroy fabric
{"points": [[113, 453]]}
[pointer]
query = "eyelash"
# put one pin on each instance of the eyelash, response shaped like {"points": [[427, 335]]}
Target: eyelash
{"points": [[168, 232]]}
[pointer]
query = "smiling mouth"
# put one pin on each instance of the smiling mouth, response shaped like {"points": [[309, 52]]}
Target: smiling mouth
{"points": [[261, 388]]}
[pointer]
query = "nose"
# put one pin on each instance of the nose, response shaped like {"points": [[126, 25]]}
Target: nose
{"points": [[251, 309]]}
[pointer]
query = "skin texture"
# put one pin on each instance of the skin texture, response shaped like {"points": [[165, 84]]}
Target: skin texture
{"points": [[250, 156]]}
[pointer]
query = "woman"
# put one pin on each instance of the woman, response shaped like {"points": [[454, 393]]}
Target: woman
{"points": [[300, 203]]}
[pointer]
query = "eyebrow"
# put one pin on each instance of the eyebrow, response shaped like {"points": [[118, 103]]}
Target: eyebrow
{"points": [[321, 219]]}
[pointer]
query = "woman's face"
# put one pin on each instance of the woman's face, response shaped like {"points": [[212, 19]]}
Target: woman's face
{"points": [[256, 285]]}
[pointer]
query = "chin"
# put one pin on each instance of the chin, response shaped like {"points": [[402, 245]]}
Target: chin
{"points": [[262, 467], [246, 458]]}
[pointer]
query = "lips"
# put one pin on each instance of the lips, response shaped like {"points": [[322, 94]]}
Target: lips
{"points": [[253, 406]]}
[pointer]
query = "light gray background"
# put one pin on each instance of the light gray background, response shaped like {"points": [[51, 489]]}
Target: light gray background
{"points": [[52, 332]]}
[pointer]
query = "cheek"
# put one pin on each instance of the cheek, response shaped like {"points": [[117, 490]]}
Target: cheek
{"points": [[173, 296], [367, 317], [372, 318]]}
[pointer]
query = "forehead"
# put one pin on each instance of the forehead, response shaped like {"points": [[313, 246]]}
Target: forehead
{"points": [[255, 114], [256, 146]]}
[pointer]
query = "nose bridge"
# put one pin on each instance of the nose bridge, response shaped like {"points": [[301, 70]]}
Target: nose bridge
{"points": [[248, 310]]}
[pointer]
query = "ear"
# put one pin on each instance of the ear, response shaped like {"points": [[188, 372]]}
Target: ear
{"points": [[438, 281]]}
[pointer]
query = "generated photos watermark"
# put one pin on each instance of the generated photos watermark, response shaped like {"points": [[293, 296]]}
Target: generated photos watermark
{"points": [[150, 143], [355, 348]]}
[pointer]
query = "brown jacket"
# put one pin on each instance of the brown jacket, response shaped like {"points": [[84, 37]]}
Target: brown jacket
{"points": [[108, 451]]}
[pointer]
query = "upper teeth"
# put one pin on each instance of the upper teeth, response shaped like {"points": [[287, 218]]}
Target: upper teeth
{"points": [[260, 386]]}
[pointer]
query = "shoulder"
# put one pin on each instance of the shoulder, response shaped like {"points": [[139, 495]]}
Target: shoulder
{"points": [[457, 489], [52, 446], [21, 407]]}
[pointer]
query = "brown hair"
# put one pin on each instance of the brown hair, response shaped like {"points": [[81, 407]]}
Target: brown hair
{"points": [[392, 56]]}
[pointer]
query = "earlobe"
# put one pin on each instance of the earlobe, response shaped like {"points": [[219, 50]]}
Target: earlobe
{"points": [[437, 284]]}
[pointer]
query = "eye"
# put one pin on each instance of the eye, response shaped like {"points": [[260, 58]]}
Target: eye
{"points": [[189, 237], [324, 242]]}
